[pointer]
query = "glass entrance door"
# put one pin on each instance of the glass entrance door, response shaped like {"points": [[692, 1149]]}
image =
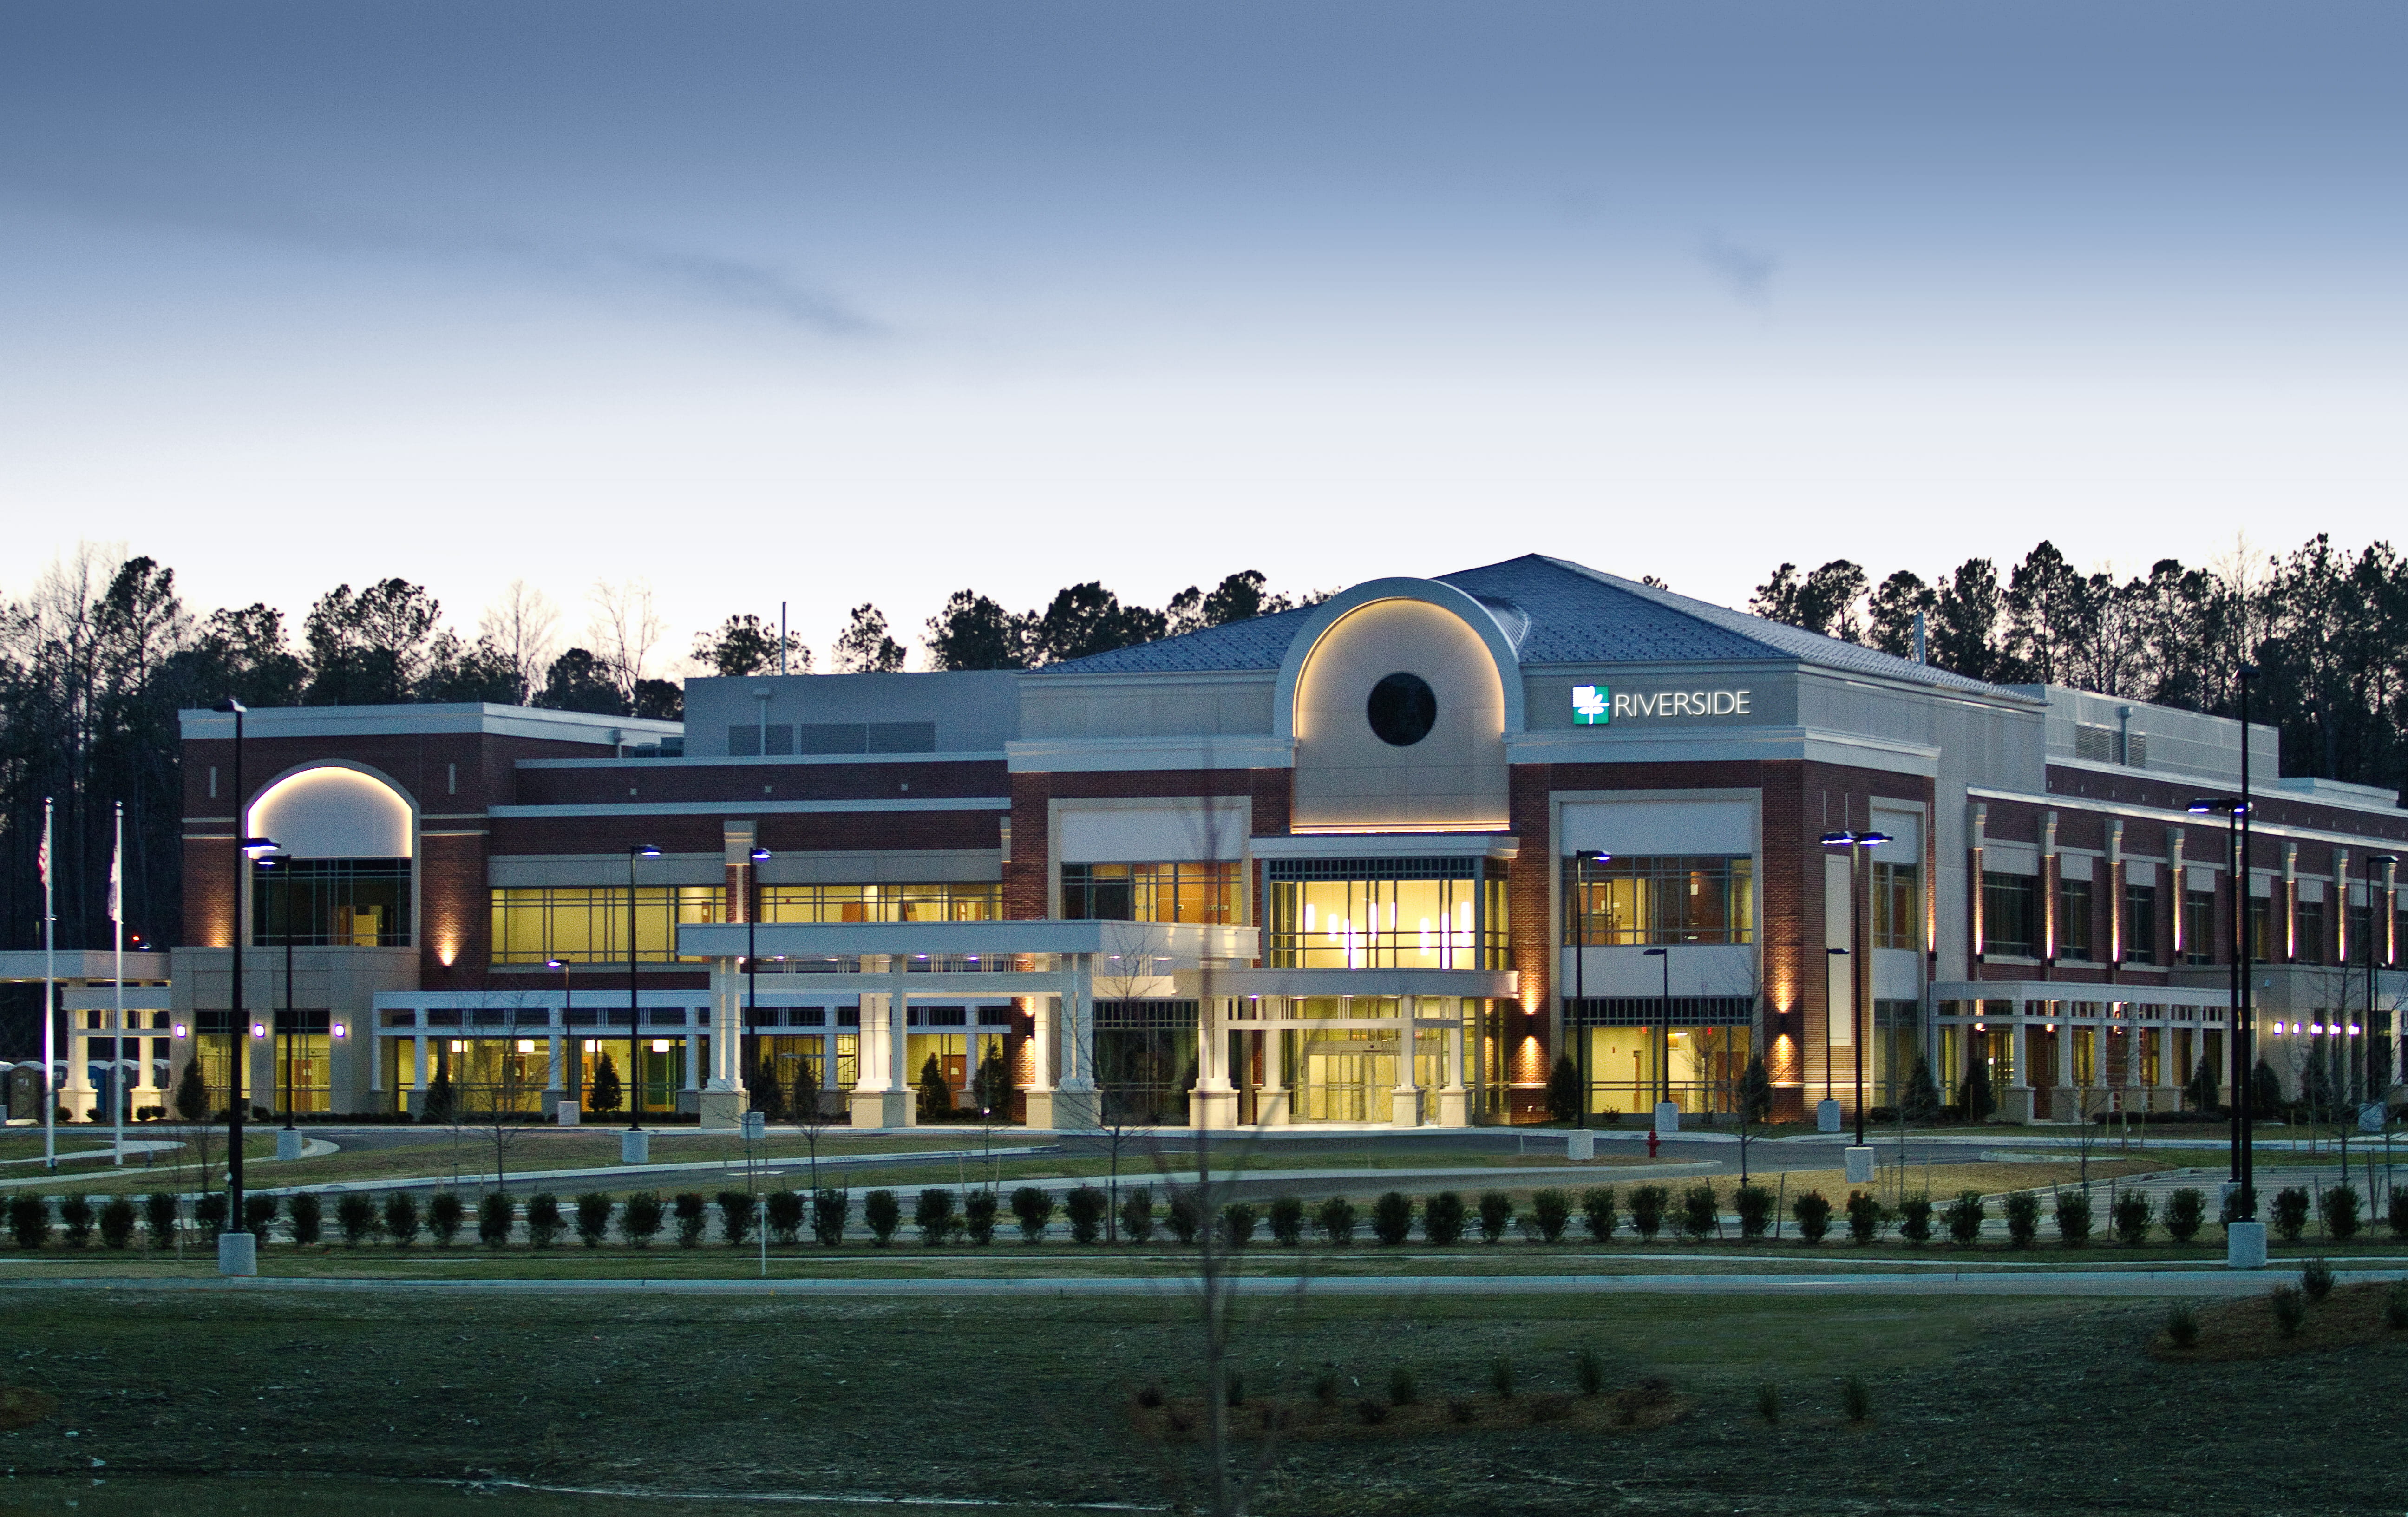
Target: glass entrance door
{"points": [[1348, 1076]]}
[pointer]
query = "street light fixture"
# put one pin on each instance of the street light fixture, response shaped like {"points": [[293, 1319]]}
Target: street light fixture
{"points": [[752, 964], [2232, 809], [282, 864], [634, 1015], [576, 1073], [1858, 981], [1663, 1092], [2366, 1052], [237, 1250], [1581, 860]]}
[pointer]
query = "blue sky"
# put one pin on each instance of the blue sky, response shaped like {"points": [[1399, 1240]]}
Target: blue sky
{"points": [[824, 303]]}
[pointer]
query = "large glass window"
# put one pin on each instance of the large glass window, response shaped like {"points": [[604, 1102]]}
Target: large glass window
{"points": [[2008, 919], [2074, 919], [2308, 933], [330, 903], [1386, 914], [588, 924], [1205, 893], [2140, 923], [965, 902], [1898, 905], [2261, 929], [1658, 899], [2199, 927]]}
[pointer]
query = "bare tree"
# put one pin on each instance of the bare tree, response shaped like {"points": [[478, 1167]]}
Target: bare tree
{"points": [[624, 631], [523, 625]]}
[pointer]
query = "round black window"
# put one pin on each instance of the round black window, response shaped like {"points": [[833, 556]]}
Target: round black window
{"points": [[1403, 709]]}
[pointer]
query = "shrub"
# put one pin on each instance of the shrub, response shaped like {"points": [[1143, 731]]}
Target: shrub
{"points": [[1287, 1219], [1500, 1376], [1442, 1218], [1588, 1371], [593, 1219], [736, 1211], [1496, 1215], [2291, 1309], [783, 1211], [29, 1220], [209, 1211], [2395, 1306], [2073, 1217], [1768, 1404], [1597, 1212], [1033, 1209], [1552, 1210], [2131, 1214], [303, 1215], [978, 1216], [2185, 1213], [1184, 1216], [117, 1222], [356, 1217], [2238, 1206], [1391, 1218], [2290, 1214], [691, 1212], [1335, 1220], [1085, 1209], [2182, 1325], [830, 1208], [1461, 1408], [1137, 1215], [2023, 1219], [1914, 1219], [2316, 1279], [444, 1216], [494, 1213], [933, 1215], [1965, 1216], [1866, 1216], [2396, 1214], [1149, 1395], [1813, 1214], [1754, 1204], [1855, 1399], [640, 1220], [1402, 1389], [545, 1222], [401, 1223], [1647, 1204], [1370, 1410], [258, 1213], [883, 1214], [2341, 1212], [1237, 1224], [162, 1209], [1700, 1212], [75, 1218], [1326, 1387]]}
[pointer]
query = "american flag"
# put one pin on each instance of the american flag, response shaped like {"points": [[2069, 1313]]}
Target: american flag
{"points": [[43, 858]]}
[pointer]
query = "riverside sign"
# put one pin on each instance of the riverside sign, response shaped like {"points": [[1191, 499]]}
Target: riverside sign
{"points": [[1597, 706]]}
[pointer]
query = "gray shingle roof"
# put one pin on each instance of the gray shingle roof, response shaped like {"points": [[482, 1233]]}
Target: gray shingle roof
{"points": [[1554, 611]]}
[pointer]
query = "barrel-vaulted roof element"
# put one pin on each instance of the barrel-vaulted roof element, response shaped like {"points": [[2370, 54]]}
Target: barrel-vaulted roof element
{"points": [[1553, 611]]}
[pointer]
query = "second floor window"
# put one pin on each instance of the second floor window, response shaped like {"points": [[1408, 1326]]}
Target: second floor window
{"points": [[1651, 900], [2308, 933], [2074, 919], [2140, 923], [1203, 892], [2009, 921], [2199, 927], [1897, 906]]}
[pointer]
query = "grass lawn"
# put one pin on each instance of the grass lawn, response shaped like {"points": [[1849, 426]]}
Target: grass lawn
{"points": [[1976, 1406]]}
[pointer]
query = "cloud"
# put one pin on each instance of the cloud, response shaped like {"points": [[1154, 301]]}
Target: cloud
{"points": [[1746, 272]]}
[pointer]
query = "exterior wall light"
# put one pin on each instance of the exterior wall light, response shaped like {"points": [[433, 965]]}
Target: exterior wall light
{"points": [[259, 1029], [342, 1030], [182, 1030]]}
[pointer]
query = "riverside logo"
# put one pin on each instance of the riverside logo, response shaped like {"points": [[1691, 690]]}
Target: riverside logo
{"points": [[1596, 706]]}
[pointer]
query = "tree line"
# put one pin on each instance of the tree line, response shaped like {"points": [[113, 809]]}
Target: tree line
{"points": [[2326, 629], [99, 655]]}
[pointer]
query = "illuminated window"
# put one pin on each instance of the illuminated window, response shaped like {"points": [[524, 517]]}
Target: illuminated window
{"points": [[2010, 923], [1897, 906], [1670, 898], [330, 903], [1385, 913], [1199, 893], [588, 924], [2073, 923], [973, 902]]}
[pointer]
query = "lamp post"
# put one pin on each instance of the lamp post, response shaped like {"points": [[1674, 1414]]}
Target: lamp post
{"points": [[1663, 1032], [2232, 809], [237, 1250], [2366, 1055], [751, 966], [1581, 860], [575, 1057], [634, 1015], [1858, 979], [282, 865]]}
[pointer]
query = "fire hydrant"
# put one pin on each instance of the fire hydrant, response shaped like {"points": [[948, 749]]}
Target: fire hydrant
{"points": [[1653, 1142]]}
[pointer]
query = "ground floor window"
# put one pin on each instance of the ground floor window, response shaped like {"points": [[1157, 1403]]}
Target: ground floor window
{"points": [[1692, 1051], [1146, 1061], [1896, 1044]]}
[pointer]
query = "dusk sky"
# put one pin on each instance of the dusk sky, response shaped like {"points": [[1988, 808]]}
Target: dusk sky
{"points": [[831, 302]]}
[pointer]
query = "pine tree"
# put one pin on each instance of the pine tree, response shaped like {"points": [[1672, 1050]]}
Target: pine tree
{"points": [[192, 1093], [806, 1100], [935, 1096], [1980, 1100], [441, 1103], [1564, 1090], [606, 1093], [2265, 1090], [991, 1087], [1922, 1102], [767, 1097]]}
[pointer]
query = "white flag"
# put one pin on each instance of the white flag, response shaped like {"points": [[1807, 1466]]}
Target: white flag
{"points": [[116, 893]]}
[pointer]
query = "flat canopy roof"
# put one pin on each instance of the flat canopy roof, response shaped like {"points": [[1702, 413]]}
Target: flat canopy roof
{"points": [[846, 939], [18, 966]]}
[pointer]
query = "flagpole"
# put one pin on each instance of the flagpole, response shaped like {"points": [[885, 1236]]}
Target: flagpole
{"points": [[50, 999], [117, 925]]}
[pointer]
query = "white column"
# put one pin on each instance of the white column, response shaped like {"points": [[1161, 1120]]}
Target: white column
{"points": [[418, 1075], [1452, 1110], [1405, 1101], [723, 1101], [1075, 1107], [692, 1057]]}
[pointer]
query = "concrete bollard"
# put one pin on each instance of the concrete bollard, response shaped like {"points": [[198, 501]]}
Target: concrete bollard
{"points": [[2244, 1245], [1860, 1161], [567, 1113], [1668, 1116], [1826, 1115], [1580, 1147], [289, 1142], [237, 1253], [636, 1147]]}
